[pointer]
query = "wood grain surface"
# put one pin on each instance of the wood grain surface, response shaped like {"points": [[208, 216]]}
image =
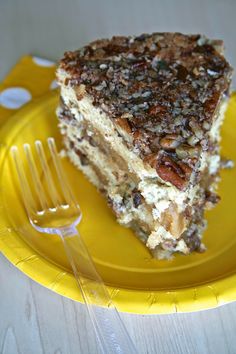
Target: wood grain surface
{"points": [[34, 320]]}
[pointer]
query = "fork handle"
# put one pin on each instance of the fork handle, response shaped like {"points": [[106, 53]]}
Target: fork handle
{"points": [[109, 328]]}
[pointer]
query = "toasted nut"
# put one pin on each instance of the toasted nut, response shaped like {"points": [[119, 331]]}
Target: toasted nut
{"points": [[181, 152], [168, 175], [193, 140], [80, 92], [127, 116], [137, 135], [185, 151], [170, 142], [187, 170], [196, 129], [155, 144], [151, 160], [172, 172], [124, 124]]}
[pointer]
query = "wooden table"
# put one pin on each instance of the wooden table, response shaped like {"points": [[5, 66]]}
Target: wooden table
{"points": [[34, 320]]}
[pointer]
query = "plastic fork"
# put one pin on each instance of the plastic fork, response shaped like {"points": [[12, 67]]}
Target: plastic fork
{"points": [[57, 213]]}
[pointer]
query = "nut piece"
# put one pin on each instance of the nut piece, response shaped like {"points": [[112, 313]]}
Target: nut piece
{"points": [[169, 175], [185, 151], [80, 92], [196, 128], [193, 140], [170, 142], [124, 124], [172, 172]]}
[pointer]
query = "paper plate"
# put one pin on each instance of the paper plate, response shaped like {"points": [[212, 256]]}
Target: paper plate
{"points": [[138, 283]]}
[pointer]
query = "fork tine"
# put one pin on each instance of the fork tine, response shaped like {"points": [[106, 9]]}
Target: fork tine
{"points": [[35, 177], [69, 198], [25, 188], [51, 188]]}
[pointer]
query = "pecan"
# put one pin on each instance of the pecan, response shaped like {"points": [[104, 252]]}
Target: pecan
{"points": [[169, 175], [193, 140], [80, 92], [211, 102], [170, 142], [196, 128], [127, 115], [187, 170], [137, 135], [172, 172], [153, 110], [124, 124], [151, 160], [184, 151], [182, 73], [154, 144]]}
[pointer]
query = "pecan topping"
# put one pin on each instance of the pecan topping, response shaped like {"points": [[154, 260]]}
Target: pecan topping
{"points": [[158, 84]]}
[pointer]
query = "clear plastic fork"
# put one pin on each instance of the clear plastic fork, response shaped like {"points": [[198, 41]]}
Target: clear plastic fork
{"points": [[58, 213]]}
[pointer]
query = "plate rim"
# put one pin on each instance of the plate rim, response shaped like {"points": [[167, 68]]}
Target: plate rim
{"points": [[22, 256]]}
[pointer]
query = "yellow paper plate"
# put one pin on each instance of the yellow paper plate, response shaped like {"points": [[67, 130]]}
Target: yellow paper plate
{"points": [[138, 283]]}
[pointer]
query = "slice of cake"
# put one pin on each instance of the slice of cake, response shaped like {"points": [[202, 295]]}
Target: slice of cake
{"points": [[140, 116]]}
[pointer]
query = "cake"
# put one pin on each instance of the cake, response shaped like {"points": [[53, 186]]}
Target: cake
{"points": [[140, 117]]}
